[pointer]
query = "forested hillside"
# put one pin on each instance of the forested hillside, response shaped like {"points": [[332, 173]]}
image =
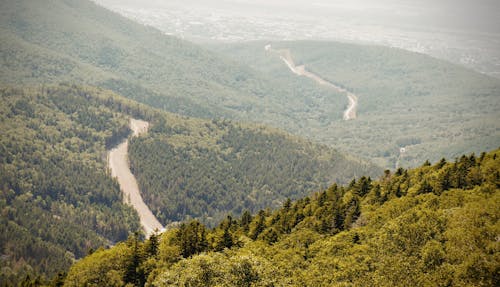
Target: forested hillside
{"points": [[432, 108], [405, 99], [57, 200], [190, 168], [436, 225], [244, 201], [81, 42]]}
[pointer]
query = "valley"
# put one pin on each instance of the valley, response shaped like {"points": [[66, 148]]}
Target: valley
{"points": [[411, 100], [286, 56], [60, 199], [465, 33], [247, 149], [57, 199]]}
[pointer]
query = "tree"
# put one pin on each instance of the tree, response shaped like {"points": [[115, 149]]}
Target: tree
{"points": [[246, 219], [192, 238], [258, 225], [134, 274], [243, 274], [352, 212], [151, 245], [227, 240]]}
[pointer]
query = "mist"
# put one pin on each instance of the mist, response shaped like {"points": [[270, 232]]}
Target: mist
{"points": [[463, 32]]}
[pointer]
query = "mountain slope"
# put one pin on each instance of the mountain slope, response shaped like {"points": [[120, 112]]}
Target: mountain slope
{"points": [[433, 225], [190, 168], [58, 200], [405, 99], [430, 107], [78, 41]]}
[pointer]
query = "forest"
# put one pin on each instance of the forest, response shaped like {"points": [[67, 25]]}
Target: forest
{"points": [[57, 199], [203, 169], [430, 107], [415, 101], [245, 162], [104, 49], [435, 225]]}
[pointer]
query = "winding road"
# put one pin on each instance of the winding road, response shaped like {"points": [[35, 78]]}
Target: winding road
{"points": [[119, 165], [286, 56]]}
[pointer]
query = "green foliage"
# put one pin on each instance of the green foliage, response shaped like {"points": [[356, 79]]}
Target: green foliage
{"points": [[56, 197], [431, 107], [405, 99], [53, 164], [192, 238], [101, 268], [191, 168], [47, 42], [435, 225], [408, 237], [216, 269]]}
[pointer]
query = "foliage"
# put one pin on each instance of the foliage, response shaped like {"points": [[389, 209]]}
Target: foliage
{"points": [[432, 108], [405, 99], [53, 147], [57, 199], [437, 224], [189, 168], [434, 225], [81, 42], [53, 165]]}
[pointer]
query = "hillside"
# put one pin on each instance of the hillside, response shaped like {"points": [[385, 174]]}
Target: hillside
{"points": [[189, 168], [434, 225], [59, 201], [239, 196], [405, 99], [430, 107], [80, 42]]}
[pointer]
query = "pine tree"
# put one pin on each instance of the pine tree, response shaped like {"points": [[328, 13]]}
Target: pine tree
{"points": [[246, 219], [259, 225], [192, 238]]}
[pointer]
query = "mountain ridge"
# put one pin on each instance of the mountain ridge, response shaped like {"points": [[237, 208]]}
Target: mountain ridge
{"points": [[436, 224], [405, 99], [53, 164]]}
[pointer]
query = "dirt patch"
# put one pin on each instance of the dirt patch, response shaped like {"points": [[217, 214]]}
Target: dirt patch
{"points": [[120, 168]]}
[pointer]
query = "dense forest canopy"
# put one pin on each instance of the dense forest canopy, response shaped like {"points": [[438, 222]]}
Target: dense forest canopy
{"points": [[405, 99], [189, 168], [246, 204], [57, 199], [436, 225], [430, 107]]}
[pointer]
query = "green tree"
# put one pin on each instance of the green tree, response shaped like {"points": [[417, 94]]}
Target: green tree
{"points": [[192, 238]]}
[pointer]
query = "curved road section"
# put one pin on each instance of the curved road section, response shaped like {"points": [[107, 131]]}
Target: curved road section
{"points": [[286, 56], [119, 165]]}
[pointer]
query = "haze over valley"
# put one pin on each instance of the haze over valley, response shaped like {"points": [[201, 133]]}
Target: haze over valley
{"points": [[249, 143], [463, 32]]}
